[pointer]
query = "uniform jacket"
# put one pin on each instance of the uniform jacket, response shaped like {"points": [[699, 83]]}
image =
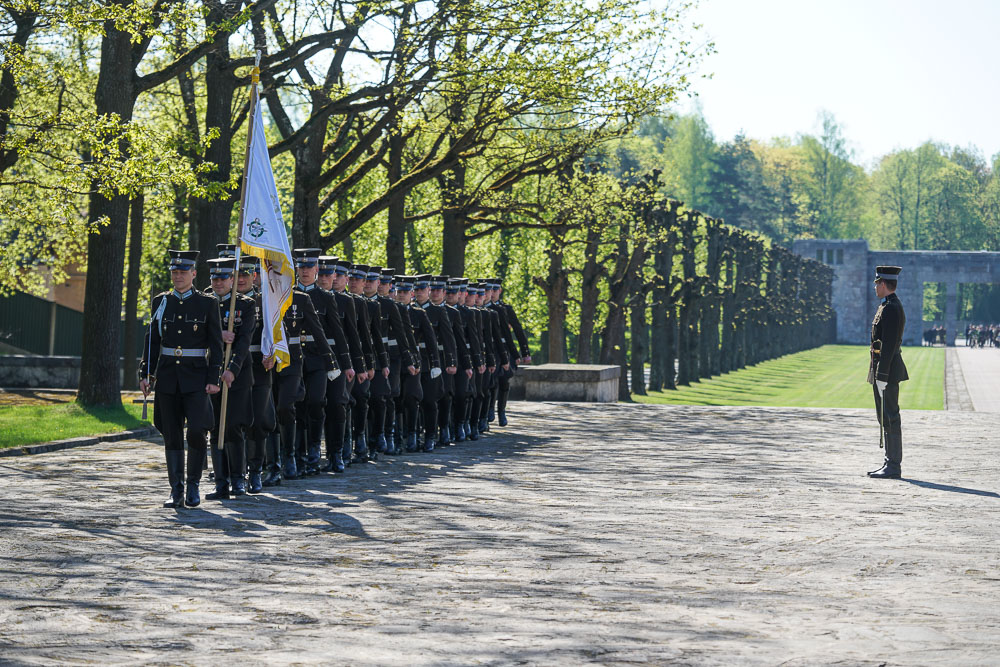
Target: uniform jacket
{"points": [[261, 376], [380, 338], [301, 320], [424, 338], [349, 321], [363, 321], [887, 336], [188, 323], [515, 325], [462, 347], [329, 317], [411, 341], [473, 339], [244, 323], [394, 334], [492, 322], [438, 316], [484, 332], [506, 333]]}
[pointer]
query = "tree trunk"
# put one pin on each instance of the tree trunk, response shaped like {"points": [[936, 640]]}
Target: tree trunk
{"points": [[214, 216], [132, 292], [99, 365], [396, 231], [556, 289], [624, 393], [640, 343], [590, 293]]}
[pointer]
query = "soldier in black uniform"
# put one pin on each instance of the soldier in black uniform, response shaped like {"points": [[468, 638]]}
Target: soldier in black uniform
{"points": [[386, 384], [229, 463], [248, 283], [369, 324], [331, 272], [300, 320], [887, 369], [467, 341], [415, 388], [518, 355], [455, 384], [182, 360], [316, 362], [480, 323], [401, 395], [494, 325], [433, 387]]}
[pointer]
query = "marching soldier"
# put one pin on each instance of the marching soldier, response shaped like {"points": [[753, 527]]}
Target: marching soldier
{"points": [[434, 387], [466, 338], [317, 369], [368, 328], [300, 320], [482, 329], [248, 284], [338, 392], [386, 385], [455, 384], [229, 463], [493, 325], [415, 388], [517, 356], [401, 300], [182, 360], [887, 369]]}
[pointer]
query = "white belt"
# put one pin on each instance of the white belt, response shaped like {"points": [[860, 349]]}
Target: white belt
{"points": [[468, 346], [385, 339], [330, 341], [255, 348], [392, 342], [421, 345], [441, 348], [308, 338], [294, 340], [184, 352], [503, 340]]}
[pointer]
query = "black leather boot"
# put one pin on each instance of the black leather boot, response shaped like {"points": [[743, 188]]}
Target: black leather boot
{"points": [[287, 435], [175, 475], [411, 443], [429, 443], [273, 477], [220, 464], [195, 461], [893, 458]]}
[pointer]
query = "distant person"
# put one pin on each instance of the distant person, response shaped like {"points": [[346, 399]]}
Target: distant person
{"points": [[887, 369]]}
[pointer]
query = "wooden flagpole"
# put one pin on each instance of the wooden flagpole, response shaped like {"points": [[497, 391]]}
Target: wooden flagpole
{"points": [[254, 79]]}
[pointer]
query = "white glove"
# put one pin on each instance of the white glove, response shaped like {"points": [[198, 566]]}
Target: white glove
{"points": [[333, 375], [435, 372], [881, 386]]}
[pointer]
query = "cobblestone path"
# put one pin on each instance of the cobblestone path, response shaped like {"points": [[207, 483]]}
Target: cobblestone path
{"points": [[615, 534]]}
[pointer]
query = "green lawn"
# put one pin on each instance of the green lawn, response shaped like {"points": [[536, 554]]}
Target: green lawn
{"points": [[832, 376], [30, 424]]}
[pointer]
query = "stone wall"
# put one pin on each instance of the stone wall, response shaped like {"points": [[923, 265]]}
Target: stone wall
{"points": [[571, 382], [30, 372], [854, 297]]}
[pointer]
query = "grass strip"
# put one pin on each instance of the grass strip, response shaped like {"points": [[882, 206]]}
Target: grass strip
{"points": [[31, 424], [831, 376]]}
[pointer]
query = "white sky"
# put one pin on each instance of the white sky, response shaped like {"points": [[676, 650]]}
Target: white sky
{"points": [[894, 73]]}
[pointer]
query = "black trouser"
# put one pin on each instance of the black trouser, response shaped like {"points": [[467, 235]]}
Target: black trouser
{"points": [[288, 390], [309, 415], [432, 388], [890, 421], [359, 410], [337, 400], [412, 395], [169, 412], [263, 425]]}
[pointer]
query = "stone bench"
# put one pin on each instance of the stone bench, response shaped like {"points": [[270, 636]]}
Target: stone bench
{"points": [[588, 383]]}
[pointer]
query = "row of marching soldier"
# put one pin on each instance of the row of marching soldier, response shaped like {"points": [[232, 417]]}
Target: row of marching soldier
{"points": [[379, 364]]}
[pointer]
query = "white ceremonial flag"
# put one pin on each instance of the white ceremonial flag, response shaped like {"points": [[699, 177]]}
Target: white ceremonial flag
{"points": [[264, 236]]}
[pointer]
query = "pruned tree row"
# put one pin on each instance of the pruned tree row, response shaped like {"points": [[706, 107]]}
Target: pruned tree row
{"points": [[680, 291]]}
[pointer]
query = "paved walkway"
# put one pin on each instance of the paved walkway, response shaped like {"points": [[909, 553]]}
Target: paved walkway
{"points": [[981, 370], [585, 534]]}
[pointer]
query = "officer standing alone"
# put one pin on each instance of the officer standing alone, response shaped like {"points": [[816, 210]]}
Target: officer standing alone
{"points": [[887, 369]]}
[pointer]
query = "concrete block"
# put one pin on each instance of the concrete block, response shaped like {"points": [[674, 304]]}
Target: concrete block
{"points": [[588, 383]]}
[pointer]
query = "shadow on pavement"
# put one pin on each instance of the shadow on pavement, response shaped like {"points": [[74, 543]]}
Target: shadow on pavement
{"points": [[953, 489]]}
